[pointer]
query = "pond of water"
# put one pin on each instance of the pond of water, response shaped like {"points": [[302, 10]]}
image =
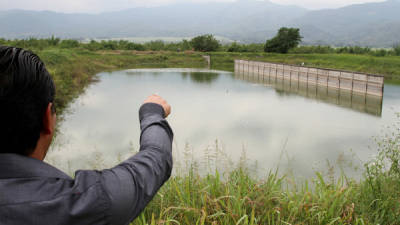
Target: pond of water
{"points": [[220, 119]]}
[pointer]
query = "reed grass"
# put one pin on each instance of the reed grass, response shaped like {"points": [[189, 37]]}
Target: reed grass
{"points": [[239, 198], [236, 196]]}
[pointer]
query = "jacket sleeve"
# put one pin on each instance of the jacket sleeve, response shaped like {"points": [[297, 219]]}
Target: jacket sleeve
{"points": [[131, 185]]}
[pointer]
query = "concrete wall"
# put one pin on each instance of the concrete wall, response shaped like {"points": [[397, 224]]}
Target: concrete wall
{"points": [[342, 80]]}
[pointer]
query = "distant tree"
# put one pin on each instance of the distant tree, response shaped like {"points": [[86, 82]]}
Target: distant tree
{"points": [[235, 47], [319, 49], [380, 52], [157, 45], [93, 45], [185, 45], [53, 41], [109, 45], [69, 43], [205, 43], [286, 39], [396, 49], [254, 47], [134, 46]]}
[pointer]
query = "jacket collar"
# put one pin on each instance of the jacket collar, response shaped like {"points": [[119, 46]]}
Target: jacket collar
{"points": [[18, 166]]}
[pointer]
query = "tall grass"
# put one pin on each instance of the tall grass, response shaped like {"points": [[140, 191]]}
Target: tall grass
{"points": [[237, 197]]}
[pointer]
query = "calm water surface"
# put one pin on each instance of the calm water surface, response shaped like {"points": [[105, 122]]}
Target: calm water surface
{"points": [[299, 129]]}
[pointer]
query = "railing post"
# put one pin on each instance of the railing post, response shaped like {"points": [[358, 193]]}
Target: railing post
{"points": [[327, 80], [352, 83]]}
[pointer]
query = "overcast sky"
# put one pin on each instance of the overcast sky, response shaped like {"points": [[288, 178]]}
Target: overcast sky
{"points": [[95, 6]]}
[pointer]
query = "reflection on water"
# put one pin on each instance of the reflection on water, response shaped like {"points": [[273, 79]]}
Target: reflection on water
{"points": [[201, 77], [215, 116], [362, 103]]}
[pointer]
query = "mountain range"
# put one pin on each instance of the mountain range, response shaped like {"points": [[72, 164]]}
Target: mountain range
{"points": [[369, 24]]}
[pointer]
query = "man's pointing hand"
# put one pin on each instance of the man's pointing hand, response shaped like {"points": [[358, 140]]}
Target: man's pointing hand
{"points": [[160, 101]]}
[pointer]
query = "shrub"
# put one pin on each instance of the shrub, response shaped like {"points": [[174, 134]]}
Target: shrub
{"points": [[53, 41], [135, 46], [313, 49], [381, 191], [235, 47], [286, 39], [155, 45], [69, 44], [93, 45], [109, 45], [380, 52], [396, 50], [205, 43], [358, 50]]}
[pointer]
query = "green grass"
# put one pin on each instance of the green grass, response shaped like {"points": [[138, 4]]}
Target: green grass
{"points": [[241, 199]]}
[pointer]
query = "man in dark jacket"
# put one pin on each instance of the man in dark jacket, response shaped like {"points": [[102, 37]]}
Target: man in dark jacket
{"points": [[33, 192]]}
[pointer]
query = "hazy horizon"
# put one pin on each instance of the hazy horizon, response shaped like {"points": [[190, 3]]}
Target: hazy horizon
{"points": [[99, 6], [247, 21]]}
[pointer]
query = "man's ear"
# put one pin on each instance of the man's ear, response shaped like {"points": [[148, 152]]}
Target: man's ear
{"points": [[48, 120]]}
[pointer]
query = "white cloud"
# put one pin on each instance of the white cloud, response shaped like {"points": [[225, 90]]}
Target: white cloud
{"points": [[95, 6]]}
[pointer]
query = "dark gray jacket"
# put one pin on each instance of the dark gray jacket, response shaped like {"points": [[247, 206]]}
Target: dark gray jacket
{"points": [[33, 192]]}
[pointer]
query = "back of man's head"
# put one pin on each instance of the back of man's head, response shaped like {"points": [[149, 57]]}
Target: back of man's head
{"points": [[26, 89]]}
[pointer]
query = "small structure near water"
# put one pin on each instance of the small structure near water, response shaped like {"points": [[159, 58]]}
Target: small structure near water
{"points": [[357, 83], [208, 60]]}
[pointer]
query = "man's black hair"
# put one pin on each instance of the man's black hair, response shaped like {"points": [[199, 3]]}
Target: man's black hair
{"points": [[26, 89]]}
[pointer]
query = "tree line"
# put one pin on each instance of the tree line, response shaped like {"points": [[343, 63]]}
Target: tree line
{"points": [[287, 40]]}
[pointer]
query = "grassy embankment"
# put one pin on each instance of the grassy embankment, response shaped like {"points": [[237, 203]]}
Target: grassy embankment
{"points": [[239, 198], [389, 66]]}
